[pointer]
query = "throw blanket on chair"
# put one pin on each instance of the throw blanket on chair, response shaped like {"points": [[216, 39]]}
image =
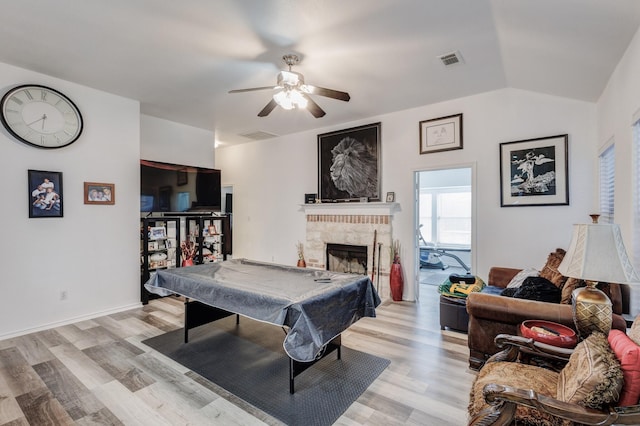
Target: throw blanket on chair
{"points": [[535, 288]]}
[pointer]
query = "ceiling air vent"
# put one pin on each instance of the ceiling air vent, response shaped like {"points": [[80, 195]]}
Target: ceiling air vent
{"points": [[452, 58], [258, 135]]}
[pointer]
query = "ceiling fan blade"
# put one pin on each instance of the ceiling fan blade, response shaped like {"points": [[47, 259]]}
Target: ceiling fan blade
{"points": [[268, 108], [253, 89], [313, 107], [329, 93]]}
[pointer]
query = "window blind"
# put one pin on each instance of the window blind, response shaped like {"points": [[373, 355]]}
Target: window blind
{"points": [[635, 290], [607, 184]]}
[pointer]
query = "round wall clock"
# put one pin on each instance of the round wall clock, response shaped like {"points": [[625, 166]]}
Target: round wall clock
{"points": [[41, 116]]}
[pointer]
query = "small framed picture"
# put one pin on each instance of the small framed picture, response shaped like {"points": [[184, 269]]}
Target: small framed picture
{"points": [[157, 232], [391, 197], [441, 134], [99, 193], [45, 193], [182, 177]]}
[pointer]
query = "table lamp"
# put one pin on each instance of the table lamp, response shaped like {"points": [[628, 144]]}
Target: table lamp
{"points": [[596, 254]]}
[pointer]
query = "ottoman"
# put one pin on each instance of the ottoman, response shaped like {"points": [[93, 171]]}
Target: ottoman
{"points": [[453, 313]]}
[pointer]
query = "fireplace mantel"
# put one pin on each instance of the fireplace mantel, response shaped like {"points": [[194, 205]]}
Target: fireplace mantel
{"points": [[371, 208], [356, 224]]}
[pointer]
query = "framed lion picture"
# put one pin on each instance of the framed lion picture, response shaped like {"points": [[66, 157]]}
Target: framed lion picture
{"points": [[349, 164]]}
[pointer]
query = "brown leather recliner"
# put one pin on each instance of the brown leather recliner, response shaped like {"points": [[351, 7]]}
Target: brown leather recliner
{"points": [[490, 314]]}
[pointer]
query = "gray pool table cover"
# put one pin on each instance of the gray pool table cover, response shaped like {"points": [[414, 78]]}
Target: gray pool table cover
{"points": [[315, 305]]}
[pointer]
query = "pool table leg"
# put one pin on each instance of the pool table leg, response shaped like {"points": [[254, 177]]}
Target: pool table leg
{"points": [[297, 367]]}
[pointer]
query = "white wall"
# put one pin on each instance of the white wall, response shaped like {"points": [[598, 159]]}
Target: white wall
{"points": [[171, 142], [616, 109], [270, 179], [92, 251]]}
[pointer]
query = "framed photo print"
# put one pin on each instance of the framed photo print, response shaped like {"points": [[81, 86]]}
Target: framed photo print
{"points": [[391, 197], [157, 233], [349, 164], [534, 172], [45, 193], [441, 134], [99, 193], [182, 177]]}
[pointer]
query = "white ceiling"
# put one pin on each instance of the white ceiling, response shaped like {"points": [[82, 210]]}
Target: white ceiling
{"points": [[180, 58]]}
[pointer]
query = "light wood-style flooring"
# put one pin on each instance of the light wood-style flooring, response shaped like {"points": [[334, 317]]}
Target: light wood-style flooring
{"points": [[98, 372]]}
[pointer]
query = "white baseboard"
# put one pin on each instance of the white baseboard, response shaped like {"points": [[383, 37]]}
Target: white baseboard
{"points": [[69, 321]]}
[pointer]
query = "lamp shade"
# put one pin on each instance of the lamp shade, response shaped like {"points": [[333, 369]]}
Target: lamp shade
{"points": [[597, 253]]}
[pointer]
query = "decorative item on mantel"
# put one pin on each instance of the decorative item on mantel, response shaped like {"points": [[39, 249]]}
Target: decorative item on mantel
{"points": [[188, 251], [396, 280], [301, 261]]}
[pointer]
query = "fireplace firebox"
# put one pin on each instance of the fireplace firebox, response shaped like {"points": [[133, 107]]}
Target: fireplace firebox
{"points": [[347, 258]]}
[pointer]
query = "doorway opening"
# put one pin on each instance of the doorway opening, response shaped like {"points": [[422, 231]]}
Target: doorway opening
{"points": [[444, 218], [227, 208]]}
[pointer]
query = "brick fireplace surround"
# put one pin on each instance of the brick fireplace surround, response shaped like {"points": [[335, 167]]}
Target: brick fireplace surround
{"points": [[351, 224]]}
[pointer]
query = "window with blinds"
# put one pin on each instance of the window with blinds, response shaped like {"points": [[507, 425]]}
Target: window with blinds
{"points": [[607, 184], [635, 294]]}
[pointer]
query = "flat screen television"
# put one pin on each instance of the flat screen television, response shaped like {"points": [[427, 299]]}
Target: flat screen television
{"points": [[166, 187]]}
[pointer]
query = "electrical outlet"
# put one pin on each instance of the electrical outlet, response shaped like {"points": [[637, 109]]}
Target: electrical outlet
{"points": [[63, 295]]}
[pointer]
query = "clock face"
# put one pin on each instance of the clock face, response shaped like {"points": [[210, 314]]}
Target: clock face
{"points": [[40, 116]]}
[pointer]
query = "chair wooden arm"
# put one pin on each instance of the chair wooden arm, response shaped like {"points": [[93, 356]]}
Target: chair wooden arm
{"points": [[503, 401], [516, 345]]}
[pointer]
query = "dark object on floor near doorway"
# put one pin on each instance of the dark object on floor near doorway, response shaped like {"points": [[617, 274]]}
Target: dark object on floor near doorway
{"points": [[453, 313]]}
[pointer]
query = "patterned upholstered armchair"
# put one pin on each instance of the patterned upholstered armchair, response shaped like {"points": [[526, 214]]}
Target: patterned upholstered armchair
{"points": [[597, 383]]}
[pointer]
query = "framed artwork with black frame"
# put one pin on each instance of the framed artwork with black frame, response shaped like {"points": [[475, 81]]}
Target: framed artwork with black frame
{"points": [[441, 134], [535, 172], [45, 194], [349, 164]]}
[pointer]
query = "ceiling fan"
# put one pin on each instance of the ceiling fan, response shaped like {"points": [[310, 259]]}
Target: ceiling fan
{"points": [[294, 93]]}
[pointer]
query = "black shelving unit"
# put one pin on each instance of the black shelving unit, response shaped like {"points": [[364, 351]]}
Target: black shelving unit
{"points": [[211, 234], [160, 249]]}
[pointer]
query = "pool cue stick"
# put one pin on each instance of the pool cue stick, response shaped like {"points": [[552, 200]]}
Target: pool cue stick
{"points": [[378, 283], [373, 255]]}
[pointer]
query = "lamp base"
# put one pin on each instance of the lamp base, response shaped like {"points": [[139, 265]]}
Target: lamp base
{"points": [[591, 310]]}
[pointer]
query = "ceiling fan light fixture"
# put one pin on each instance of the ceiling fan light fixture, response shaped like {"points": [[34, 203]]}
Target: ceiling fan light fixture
{"points": [[290, 78], [298, 99], [290, 99], [294, 93], [283, 100]]}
